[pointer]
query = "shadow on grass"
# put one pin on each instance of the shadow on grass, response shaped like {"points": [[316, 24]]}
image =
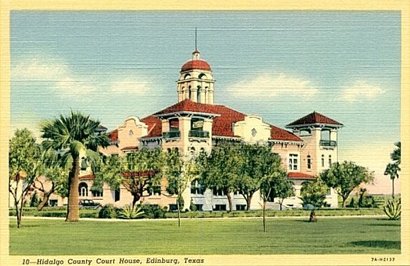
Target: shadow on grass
{"points": [[385, 224], [378, 244]]}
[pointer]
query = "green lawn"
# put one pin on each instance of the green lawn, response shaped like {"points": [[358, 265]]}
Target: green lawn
{"points": [[205, 236]]}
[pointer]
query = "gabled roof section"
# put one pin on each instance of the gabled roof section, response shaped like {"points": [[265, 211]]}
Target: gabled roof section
{"points": [[314, 118], [223, 121], [154, 126], [283, 135], [113, 135]]}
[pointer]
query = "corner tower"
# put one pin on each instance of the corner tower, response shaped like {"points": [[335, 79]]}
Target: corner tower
{"points": [[196, 81], [320, 136]]}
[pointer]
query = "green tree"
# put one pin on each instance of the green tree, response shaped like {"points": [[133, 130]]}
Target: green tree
{"points": [[272, 178], [218, 170], [393, 168], [24, 164], [74, 134], [313, 193], [344, 177], [179, 172], [54, 171], [138, 172], [247, 177]]}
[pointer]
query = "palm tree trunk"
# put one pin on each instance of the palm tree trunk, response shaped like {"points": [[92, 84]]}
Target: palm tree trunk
{"points": [[73, 213], [392, 187]]}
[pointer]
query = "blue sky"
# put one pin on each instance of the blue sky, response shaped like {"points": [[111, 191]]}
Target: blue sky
{"points": [[279, 65]]}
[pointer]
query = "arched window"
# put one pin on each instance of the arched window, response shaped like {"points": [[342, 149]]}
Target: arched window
{"points": [[323, 160], [187, 76], [202, 76], [83, 189], [198, 94], [330, 161]]}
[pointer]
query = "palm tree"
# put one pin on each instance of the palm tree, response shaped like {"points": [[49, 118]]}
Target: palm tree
{"points": [[392, 169], [73, 134]]}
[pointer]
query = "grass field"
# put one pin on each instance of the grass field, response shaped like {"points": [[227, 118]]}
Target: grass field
{"points": [[206, 236]]}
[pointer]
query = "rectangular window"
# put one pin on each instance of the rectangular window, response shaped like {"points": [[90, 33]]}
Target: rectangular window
{"points": [[220, 207], [240, 207], [173, 207], [218, 192], [117, 195], [199, 207], [154, 191], [293, 161], [309, 162], [196, 188]]}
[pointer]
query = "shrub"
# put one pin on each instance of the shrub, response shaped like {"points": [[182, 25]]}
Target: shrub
{"points": [[393, 209], [152, 211], [129, 212], [108, 211]]}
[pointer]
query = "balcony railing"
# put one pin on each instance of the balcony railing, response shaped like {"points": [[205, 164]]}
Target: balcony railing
{"points": [[198, 134], [171, 134], [328, 143]]}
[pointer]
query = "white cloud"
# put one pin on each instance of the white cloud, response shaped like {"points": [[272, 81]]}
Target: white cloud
{"points": [[360, 91], [271, 85], [131, 85], [39, 68], [56, 73], [69, 86]]}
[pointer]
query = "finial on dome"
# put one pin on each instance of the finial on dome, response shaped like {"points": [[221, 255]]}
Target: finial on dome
{"points": [[196, 53]]}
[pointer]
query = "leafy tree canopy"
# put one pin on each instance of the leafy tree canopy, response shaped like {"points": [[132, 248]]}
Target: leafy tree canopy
{"points": [[346, 176]]}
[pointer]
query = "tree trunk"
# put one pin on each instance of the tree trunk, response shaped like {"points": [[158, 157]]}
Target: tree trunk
{"points": [[46, 197], [392, 187], [179, 210], [20, 213], [18, 216], [135, 198], [264, 215], [312, 217], [73, 213], [344, 201], [228, 196], [248, 202]]}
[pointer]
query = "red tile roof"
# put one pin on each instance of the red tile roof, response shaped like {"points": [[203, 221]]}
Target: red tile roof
{"points": [[300, 176], [87, 176], [154, 126], [281, 134], [222, 125], [196, 64], [113, 135], [314, 118]]}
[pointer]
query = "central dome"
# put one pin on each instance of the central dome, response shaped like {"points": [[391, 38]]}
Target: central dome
{"points": [[196, 63]]}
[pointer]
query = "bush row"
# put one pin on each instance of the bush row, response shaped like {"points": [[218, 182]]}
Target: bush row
{"points": [[154, 212]]}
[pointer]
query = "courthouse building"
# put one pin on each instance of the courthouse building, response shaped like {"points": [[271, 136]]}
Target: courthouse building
{"points": [[195, 123]]}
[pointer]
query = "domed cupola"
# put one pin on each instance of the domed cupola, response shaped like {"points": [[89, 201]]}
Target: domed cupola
{"points": [[196, 63], [196, 80]]}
